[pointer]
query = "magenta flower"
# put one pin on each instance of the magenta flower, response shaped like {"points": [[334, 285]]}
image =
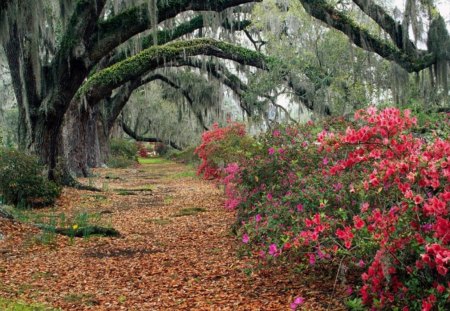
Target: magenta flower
{"points": [[361, 263], [297, 302], [245, 238], [276, 133], [273, 250], [269, 197], [271, 151], [299, 207], [312, 259], [258, 218]]}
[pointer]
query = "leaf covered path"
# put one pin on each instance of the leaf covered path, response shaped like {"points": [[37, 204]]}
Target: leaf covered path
{"points": [[176, 252]]}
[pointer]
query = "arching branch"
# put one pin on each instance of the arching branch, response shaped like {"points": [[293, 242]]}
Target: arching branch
{"points": [[167, 35], [137, 137], [125, 25], [102, 83], [326, 12], [387, 23], [116, 104]]}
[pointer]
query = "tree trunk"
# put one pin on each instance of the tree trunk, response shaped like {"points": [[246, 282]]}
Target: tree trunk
{"points": [[85, 139]]}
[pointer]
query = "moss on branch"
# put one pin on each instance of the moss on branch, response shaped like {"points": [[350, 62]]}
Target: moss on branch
{"points": [[361, 37], [103, 82]]}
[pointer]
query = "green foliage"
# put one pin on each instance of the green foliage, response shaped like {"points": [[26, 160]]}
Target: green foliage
{"points": [[123, 153], [21, 180], [186, 156], [15, 305], [123, 148], [355, 304], [161, 148]]}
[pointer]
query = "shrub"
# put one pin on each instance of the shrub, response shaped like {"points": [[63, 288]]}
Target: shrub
{"points": [[22, 182], [143, 152], [123, 148], [372, 194], [221, 146], [123, 153], [161, 148], [120, 162], [186, 156]]}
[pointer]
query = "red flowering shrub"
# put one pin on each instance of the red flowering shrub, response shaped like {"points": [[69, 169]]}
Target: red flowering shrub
{"points": [[218, 146], [142, 150], [370, 192]]}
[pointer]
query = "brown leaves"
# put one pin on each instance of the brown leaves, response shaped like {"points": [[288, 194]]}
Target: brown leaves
{"points": [[162, 262]]}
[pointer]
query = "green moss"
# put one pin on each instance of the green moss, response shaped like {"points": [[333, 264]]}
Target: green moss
{"points": [[127, 17], [15, 305], [148, 59]]}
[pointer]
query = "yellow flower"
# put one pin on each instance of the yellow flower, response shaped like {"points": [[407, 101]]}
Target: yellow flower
{"points": [[75, 227]]}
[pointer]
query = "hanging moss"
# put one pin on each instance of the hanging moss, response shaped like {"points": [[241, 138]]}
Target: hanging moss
{"points": [[151, 57], [438, 43]]}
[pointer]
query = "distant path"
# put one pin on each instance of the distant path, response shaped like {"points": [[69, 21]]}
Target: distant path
{"points": [[176, 252]]}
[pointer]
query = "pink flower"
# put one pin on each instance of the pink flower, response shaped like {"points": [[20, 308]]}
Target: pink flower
{"points": [[271, 151], [312, 259], [297, 301], [269, 197], [418, 199], [273, 250], [325, 161], [276, 133], [258, 218], [299, 207], [349, 290], [361, 263], [245, 238]]}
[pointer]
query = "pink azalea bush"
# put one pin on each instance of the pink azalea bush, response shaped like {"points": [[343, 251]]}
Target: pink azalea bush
{"points": [[372, 193]]}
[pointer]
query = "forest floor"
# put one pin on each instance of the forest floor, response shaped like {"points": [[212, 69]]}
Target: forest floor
{"points": [[176, 251]]}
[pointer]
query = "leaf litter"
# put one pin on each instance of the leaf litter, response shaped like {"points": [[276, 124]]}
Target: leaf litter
{"points": [[161, 262]]}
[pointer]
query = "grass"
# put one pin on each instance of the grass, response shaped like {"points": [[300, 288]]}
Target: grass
{"points": [[153, 161], [16, 305], [51, 220], [190, 211], [125, 192], [159, 221], [184, 174]]}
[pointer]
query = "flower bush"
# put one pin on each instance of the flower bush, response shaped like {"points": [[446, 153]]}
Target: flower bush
{"points": [[372, 193]]}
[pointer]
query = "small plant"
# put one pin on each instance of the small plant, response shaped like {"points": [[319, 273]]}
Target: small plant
{"points": [[21, 181], [120, 162], [16, 305]]}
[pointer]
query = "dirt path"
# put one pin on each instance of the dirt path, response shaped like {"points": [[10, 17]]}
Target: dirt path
{"points": [[176, 252]]}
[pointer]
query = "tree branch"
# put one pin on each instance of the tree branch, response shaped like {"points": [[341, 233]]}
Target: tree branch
{"points": [[325, 12], [102, 83], [168, 35], [123, 26], [116, 104], [136, 137]]}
